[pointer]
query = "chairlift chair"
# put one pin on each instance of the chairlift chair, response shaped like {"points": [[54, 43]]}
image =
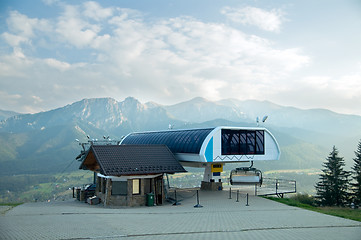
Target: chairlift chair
{"points": [[246, 176]]}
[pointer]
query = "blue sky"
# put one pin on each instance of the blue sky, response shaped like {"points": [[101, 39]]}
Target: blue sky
{"points": [[305, 53]]}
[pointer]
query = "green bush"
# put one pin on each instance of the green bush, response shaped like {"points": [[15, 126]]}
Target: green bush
{"points": [[304, 198]]}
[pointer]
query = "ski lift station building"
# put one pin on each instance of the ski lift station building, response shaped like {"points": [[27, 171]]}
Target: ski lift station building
{"points": [[211, 148]]}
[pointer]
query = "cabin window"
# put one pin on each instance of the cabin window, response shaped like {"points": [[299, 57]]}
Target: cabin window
{"points": [[136, 186], [259, 142], [119, 188], [242, 142]]}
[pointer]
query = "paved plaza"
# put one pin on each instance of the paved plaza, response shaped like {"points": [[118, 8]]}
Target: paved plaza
{"points": [[219, 218]]}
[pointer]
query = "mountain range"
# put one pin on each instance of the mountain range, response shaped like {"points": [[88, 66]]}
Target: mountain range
{"points": [[44, 142], [6, 114]]}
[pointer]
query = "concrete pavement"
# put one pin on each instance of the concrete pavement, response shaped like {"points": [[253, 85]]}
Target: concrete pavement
{"points": [[219, 218]]}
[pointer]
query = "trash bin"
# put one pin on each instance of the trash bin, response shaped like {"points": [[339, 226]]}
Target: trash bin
{"points": [[150, 199]]}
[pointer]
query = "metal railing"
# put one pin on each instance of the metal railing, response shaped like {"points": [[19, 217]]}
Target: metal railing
{"points": [[279, 187]]}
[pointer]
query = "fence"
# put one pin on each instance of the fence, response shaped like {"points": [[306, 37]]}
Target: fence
{"points": [[279, 187]]}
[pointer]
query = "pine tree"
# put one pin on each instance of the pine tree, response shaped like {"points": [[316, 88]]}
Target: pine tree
{"points": [[356, 186], [333, 184]]}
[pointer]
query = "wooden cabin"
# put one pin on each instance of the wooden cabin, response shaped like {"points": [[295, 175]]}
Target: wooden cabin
{"points": [[127, 174]]}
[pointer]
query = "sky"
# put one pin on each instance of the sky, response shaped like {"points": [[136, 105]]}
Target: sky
{"points": [[300, 53]]}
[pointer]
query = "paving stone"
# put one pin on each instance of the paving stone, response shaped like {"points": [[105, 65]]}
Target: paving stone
{"points": [[219, 218]]}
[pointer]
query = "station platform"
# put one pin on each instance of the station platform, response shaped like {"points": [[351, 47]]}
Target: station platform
{"points": [[219, 218]]}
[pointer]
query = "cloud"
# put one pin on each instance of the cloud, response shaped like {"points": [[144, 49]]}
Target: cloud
{"points": [[74, 29], [338, 93], [93, 51], [174, 58], [62, 66], [29, 102], [4, 96], [95, 11], [14, 40], [349, 84], [265, 20], [50, 2], [14, 65], [36, 99], [25, 27]]}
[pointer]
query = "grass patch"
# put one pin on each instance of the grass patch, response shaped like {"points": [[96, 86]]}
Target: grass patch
{"points": [[353, 214], [41, 187], [10, 204], [292, 202], [344, 212], [8, 207]]}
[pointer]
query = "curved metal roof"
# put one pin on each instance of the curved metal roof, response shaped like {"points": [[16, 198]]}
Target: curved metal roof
{"points": [[178, 141]]}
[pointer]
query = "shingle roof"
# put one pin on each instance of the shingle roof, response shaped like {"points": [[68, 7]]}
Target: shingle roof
{"points": [[117, 160]]}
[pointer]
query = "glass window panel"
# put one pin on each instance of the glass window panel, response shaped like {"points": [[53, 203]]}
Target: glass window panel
{"points": [[226, 142], [260, 142], [136, 186], [251, 143], [119, 188], [234, 143], [242, 142]]}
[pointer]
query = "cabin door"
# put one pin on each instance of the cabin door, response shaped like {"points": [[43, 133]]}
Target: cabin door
{"points": [[159, 190]]}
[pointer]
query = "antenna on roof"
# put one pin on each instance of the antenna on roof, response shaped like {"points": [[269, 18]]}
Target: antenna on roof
{"points": [[170, 126], [263, 120], [94, 141]]}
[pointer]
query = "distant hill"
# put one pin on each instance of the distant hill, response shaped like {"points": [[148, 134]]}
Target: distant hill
{"points": [[45, 142], [6, 114], [200, 110], [316, 120]]}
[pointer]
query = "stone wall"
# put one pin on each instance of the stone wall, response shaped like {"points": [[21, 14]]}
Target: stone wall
{"points": [[118, 201], [211, 186], [130, 199]]}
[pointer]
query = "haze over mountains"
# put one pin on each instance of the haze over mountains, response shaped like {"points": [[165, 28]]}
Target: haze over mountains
{"points": [[6, 114], [45, 142]]}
